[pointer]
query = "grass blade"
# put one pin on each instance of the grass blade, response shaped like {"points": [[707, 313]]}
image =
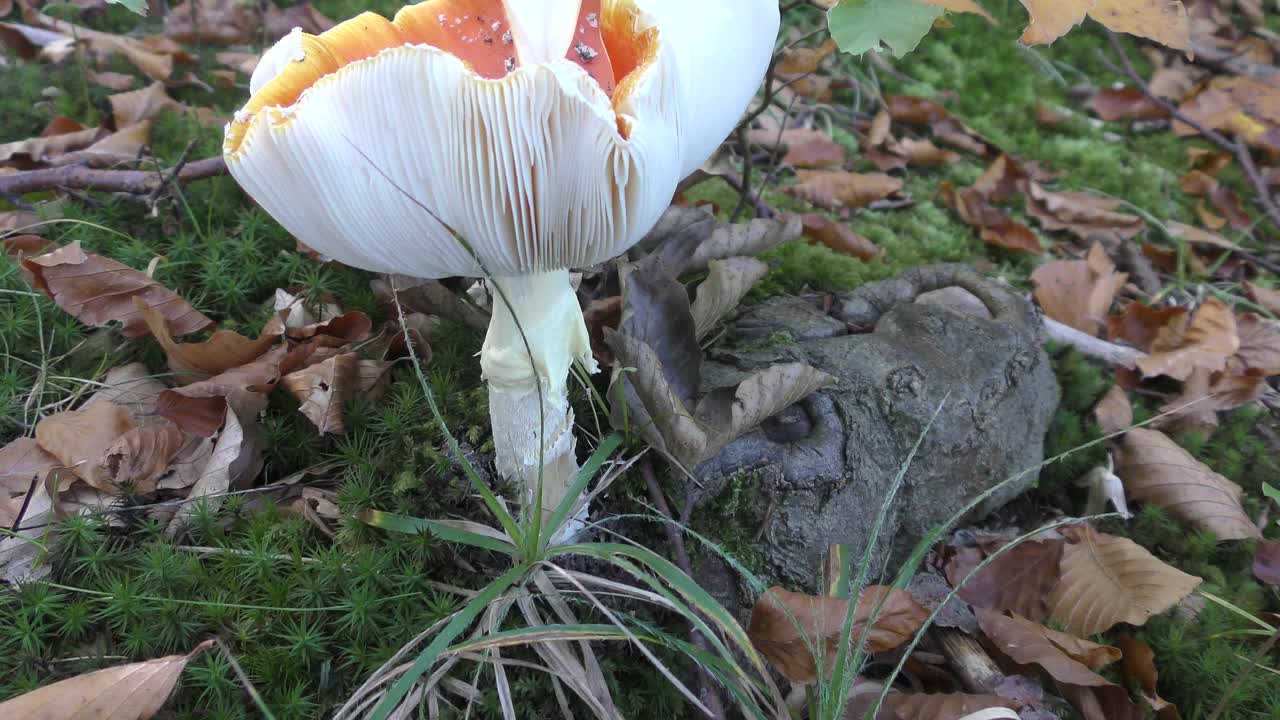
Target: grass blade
{"points": [[445, 531]]}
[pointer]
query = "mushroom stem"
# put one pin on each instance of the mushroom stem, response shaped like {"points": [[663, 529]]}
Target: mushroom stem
{"points": [[536, 332]]}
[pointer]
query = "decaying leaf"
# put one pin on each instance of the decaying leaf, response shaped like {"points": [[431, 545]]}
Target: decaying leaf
{"points": [[200, 408], [743, 239], [79, 439], [1157, 470], [656, 312], [1266, 297], [126, 692], [1019, 580], [323, 390], [1203, 341], [945, 128], [1127, 103], [1086, 215], [948, 706], [994, 225], [643, 401], [235, 461], [1107, 580], [1205, 394], [1259, 353], [1164, 21], [98, 291], [1266, 562], [137, 459], [792, 629], [729, 413], [838, 189], [224, 350], [1244, 106], [726, 285], [839, 237], [1079, 293], [1139, 325], [23, 466], [1139, 665], [1114, 412]]}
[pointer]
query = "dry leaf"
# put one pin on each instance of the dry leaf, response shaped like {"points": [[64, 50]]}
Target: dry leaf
{"points": [[1079, 293], [1266, 297], [1139, 325], [994, 225], [235, 461], [33, 43], [727, 283], [1164, 21], [200, 408], [137, 459], [81, 438], [132, 387], [323, 390], [1107, 580], [949, 706], [1259, 352], [837, 189], [46, 148], [132, 107], [1018, 580], [653, 408], [1204, 394], [126, 692], [1157, 470], [839, 236], [112, 80], [1206, 340], [1126, 104], [98, 291], [1139, 666], [729, 413], [788, 627], [1244, 106], [23, 466], [797, 61], [224, 350], [1266, 562], [948, 130], [923, 153], [1086, 215], [1114, 413]]}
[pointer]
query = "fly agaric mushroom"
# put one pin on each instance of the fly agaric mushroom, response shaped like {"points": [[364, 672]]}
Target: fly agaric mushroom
{"points": [[507, 139]]}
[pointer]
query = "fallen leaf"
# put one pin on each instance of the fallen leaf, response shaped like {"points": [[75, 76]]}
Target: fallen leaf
{"points": [[44, 149], [132, 387], [839, 236], [749, 239], [1206, 393], [98, 291], [946, 706], [125, 692], [656, 311], [1107, 580], [1114, 413], [1266, 562], [223, 351], [1002, 178], [1083, 214], [1259, 353], [994, 225], [837, 189], [156, 65], [200, 408], [1206, 340], [323, 390], [644, 402], [1064, 658], [923, 153], [23, 466], [1139, 325], [788, 628], [1018, 580], [727, 283], [123, 146], [1079, 293], [1048, 116], [1157, 470], [137, 459], [79, 439], [1198, 236], [1268, 298], [1164, 21], [1244, 106], [33, 43], [1139, 666], [797, 61], [729, 413], [1126, 103], [280, 21], [118, 82], [236, 459], [944, 127]]}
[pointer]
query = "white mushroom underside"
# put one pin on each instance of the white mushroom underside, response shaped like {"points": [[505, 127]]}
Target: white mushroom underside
{"points": [[530, 170]]}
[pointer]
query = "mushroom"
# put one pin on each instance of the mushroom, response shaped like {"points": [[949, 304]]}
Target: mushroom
{"points": [[506, 139]]}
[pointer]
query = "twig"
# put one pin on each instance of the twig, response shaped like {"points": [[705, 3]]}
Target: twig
{"points": [[1091, 346], [1236, 147], [167, 179], [133, 182], [676, 540]]}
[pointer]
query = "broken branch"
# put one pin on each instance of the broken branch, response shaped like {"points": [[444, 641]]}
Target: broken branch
{"points": [[133, 182]]}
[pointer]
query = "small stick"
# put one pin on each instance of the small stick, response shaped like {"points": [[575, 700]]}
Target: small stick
{"points": [[978, 673], [1093, 347], [133, 182], [167, 178]]}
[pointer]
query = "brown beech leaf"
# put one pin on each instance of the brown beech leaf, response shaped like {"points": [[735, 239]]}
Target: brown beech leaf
{"points": [[728, 282], [1266, 297], [788, 627], [1068, 660], [1204, 394], [1139, 325], [23, 465], [1019, 580], [47, 147], [839, 236], [125, 692], [837, 189], [1079, 293], [1085, 215], [943, 706], [803, 60], [200, 408], [224, 350], [137, 459], [945, 128], [994, 225], [234, 461], [1157, 470], [1114, 412], [323, 389], [98, 291], [728, 413], [1164, 21], [1244, 106], [923, 153], [1139, 665], [1126, 103], [81, 438], [1259, 352], [1206, 340], [1108, 580], [1266, 562], [1065, 657]]}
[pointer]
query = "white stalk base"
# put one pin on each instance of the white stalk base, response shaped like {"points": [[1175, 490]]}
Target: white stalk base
{"points": [[528, 395]]}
